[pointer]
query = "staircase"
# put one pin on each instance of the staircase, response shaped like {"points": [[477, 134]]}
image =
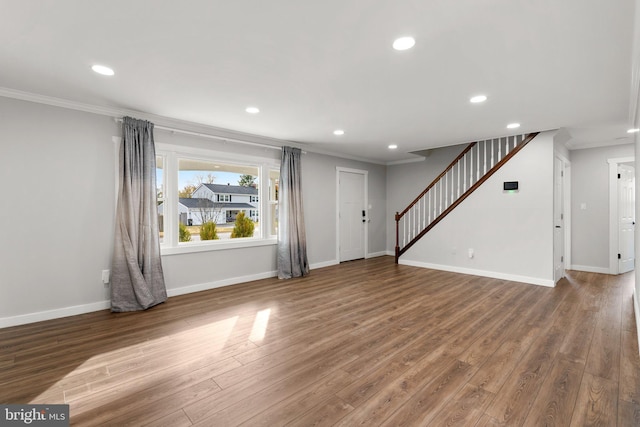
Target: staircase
{"points": [[477, 162]]}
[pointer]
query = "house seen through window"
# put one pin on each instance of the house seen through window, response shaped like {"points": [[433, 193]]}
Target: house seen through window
{"points": [[215, 201]]}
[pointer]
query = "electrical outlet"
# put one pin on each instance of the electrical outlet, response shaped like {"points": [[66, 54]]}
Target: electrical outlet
{"points": [[470, 253], [105, 276]]}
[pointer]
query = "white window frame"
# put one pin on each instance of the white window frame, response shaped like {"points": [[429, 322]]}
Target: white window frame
{"points": [[171, 154], [272, 201], [163, 186]]}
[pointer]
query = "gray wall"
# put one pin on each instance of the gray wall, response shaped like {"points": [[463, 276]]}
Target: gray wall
{"points": [[511, 234], [590, 187], [57, 169], [56, 223], [320, 204]]}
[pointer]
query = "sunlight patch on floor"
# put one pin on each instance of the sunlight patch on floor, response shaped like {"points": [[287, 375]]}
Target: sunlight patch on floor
{"points": [[260, 325], [95, 374]]}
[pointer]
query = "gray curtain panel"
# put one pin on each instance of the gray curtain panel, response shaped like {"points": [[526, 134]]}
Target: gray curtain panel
{"points": [[137, 281], [292, 241]]}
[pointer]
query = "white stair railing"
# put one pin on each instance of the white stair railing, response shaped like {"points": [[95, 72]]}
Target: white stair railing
{"points": [[476, 163]]}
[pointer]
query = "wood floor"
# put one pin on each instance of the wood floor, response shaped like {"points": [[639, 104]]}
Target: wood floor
{"points": [[363, 343]]}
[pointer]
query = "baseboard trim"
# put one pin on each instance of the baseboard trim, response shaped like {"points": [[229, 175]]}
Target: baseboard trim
{"points": [[323, 264], [23, 319], [377, 254], [590, 269], [492, 274], [636, 311], [336, 262], [219, 283]]}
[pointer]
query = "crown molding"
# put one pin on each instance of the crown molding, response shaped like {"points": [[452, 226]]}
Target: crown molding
{"points": [[183, 125], [573, 146], [402, 162], [154, 118], [59, 102]]}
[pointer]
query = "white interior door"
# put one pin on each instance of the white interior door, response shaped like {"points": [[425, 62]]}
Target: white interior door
{"points": [[352, 215], [558, 219], [626, 218]]}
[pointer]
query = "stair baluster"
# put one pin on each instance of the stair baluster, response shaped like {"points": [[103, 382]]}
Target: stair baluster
{"points": [[440, 198]]}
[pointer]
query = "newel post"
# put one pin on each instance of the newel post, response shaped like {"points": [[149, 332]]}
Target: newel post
{"points": [[397, 237]]}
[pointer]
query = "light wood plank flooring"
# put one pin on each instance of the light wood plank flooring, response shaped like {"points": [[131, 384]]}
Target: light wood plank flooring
{"points": [[363, 343]]}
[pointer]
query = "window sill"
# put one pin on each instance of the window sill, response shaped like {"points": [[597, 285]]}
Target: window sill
{"points": [[216, 246]]}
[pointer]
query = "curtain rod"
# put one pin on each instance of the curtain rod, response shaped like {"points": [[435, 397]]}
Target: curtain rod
{"points": [[205, 135]]}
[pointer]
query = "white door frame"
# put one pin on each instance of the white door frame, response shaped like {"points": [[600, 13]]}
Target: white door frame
{"points": [[365, 173], [613, 211], [565, 219], [566, 207]]}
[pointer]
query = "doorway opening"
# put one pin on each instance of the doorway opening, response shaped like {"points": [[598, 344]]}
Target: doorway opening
{"points": [[621, 215]]}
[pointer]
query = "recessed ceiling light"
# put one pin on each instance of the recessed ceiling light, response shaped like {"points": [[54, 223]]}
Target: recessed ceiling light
{"points": [[477, 99], [252, 110], [634, 130], [404, 43], [101, 69], [513, 125], [338, 132], [393, 146]]}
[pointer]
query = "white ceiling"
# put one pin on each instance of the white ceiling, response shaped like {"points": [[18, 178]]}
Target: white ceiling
{"points": [[315, 66]]}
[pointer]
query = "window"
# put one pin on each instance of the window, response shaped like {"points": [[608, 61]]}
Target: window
{"points": [[207, 196], [208, 190], [274, 182], [160, 194]]}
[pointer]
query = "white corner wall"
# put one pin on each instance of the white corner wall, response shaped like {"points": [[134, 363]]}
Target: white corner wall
{"points": [[511, 234], [58, 179], [635, 102]]}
